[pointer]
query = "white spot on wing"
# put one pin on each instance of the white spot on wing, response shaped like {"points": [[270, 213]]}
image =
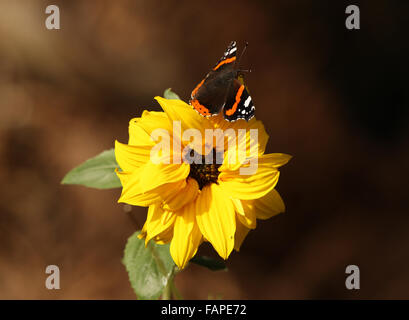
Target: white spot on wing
{"points": [[247, 102], [232, 50]]}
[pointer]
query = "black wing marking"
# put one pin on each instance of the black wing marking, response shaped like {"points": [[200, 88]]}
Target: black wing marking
{"points": [[213, 90], [229, 53], [239, 104]]}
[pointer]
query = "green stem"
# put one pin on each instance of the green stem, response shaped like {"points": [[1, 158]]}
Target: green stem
{"points": [[175, 291], [167, 292], [171, 292]]}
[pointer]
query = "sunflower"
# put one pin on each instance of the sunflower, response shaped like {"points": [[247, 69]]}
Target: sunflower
{"points": [[191, 202]]}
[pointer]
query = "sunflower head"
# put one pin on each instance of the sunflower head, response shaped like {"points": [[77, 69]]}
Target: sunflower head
{"points": [[193, 174], [205, 173]]}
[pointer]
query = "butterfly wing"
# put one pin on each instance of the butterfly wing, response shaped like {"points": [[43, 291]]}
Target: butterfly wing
{"points": [[228, 57], [210, 95], [239, 104]]}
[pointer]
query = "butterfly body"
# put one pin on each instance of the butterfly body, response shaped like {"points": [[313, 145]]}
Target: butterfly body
{"points": [[221, 90]]}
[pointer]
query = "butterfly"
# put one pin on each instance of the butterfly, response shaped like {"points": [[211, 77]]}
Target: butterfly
{"points": [[223, 88]]}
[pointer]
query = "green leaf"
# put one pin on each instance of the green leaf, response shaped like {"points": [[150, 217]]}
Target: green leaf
{"points": [[169, 94], [210, 263], [97, 172], [149, 269]]}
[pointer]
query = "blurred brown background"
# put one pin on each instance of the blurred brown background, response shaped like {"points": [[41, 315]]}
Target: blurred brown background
{"points": [[337, 100]]}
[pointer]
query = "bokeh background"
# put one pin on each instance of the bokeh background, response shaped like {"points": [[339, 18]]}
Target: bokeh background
{"points": [[337, 100]]}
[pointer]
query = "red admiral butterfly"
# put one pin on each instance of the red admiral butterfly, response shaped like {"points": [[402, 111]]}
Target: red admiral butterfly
{"points": [[221, 89]]}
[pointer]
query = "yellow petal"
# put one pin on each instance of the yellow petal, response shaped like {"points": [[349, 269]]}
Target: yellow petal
{"points": [[130, 158], [157, 221], [138, 136], [165, 236], [274, 160], [260, 140], [217, 121], [240, 235], [186, 236], [186, 195], [132, 192], [162, 238], [216, 219], [245, 214], [177, 110], [247, 187], [142, 235], [123, 176], [157, 124], [262, 136], [238, 207], [130, 182], [269, 205], [153, 175], [247, 144], [140, 199], [151, 120], [248, 218]]}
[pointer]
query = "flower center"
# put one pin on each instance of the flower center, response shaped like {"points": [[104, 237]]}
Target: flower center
{"points": [[204, 173]]}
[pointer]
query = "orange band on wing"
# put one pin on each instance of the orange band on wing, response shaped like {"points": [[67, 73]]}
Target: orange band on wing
{"points": [[224, 62], [232, 110], [200, 108], [197, 88]]}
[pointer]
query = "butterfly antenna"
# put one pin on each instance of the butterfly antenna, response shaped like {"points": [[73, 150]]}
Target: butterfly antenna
{"points": [[242, 53], [244, 71]]}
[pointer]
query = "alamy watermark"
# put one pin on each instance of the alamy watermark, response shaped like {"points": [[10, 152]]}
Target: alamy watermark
{"points": [[53, 280], [242, 148], [353, 20], [353, 281], [53, 20]]}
